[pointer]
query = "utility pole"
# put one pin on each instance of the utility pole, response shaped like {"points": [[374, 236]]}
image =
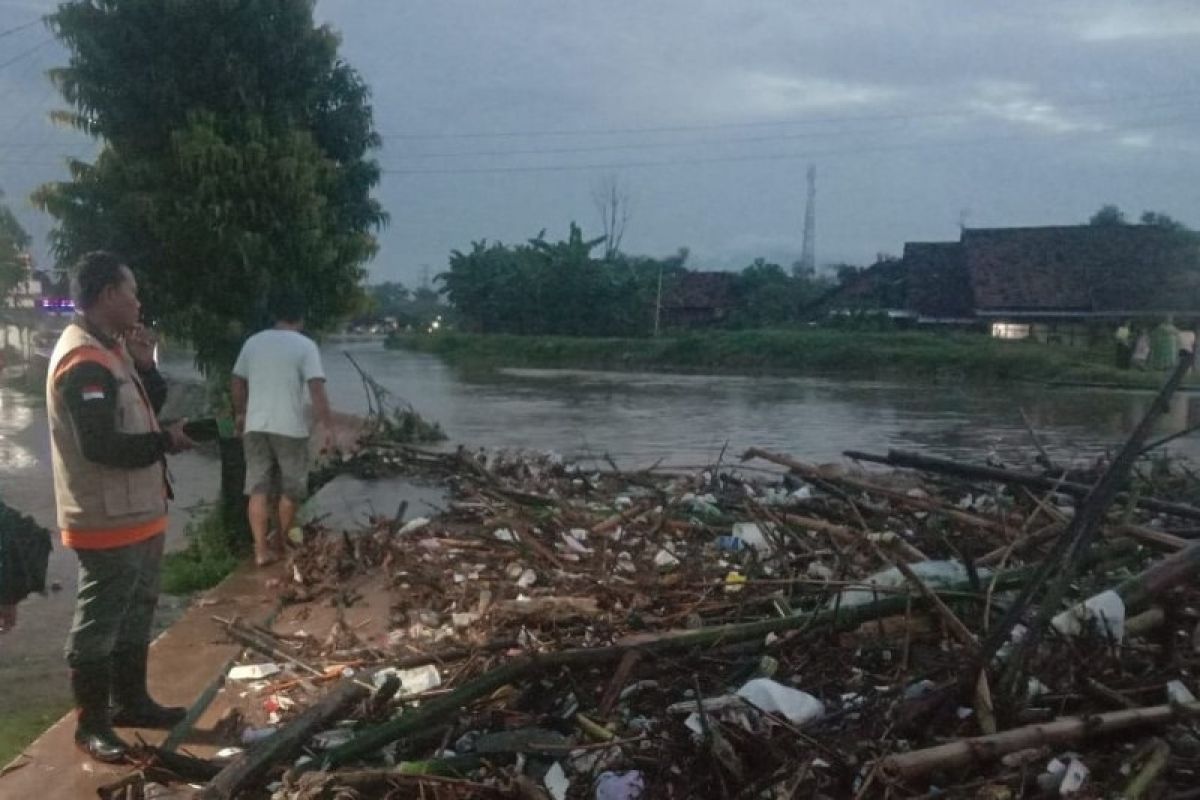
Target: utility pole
{"points": [[808, 252], [658, 302]]}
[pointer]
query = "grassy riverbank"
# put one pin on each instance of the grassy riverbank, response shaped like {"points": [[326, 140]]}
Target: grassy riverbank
{"points": [[930, 356]]}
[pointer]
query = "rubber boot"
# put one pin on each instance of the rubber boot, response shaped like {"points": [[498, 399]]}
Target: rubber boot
{"points": [[132, 704], [93, 731]]}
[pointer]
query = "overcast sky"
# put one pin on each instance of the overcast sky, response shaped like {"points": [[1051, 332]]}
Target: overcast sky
{"points": [[500, 117]]}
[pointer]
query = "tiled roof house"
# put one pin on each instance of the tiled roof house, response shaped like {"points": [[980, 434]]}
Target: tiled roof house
{"points": [[698, 299], [1055, 273]]}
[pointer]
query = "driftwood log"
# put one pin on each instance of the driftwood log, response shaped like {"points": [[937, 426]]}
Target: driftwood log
{"points": [[959, 469], [284, 744], [1065, 731]]}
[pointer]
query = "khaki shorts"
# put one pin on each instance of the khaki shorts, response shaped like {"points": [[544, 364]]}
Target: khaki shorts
{"points": [[274, 461]]}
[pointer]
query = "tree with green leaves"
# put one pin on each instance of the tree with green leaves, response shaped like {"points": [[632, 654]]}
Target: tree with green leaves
{"points": [[1108, 215], [555, 288], [1158, 219], [13, 241], [235, 161]]}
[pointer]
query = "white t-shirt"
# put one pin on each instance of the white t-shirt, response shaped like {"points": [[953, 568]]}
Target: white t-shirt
{"points": [[277, 365]]}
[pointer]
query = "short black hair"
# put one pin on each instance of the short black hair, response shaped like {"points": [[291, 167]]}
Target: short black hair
{"points": [[93, 273], [286, 305]]}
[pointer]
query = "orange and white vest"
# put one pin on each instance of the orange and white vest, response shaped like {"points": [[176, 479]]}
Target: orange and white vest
{"points": [[102, 507]]}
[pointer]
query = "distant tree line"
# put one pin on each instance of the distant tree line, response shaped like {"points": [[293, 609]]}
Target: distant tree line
{"points": [[1110, 214], [393, 304], [582, 287]]}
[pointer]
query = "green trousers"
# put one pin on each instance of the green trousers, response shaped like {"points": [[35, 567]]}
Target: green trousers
{"points": [[114, 608]]}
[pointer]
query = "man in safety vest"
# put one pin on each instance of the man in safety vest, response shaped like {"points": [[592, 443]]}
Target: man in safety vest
{"points": [[103, 394]]}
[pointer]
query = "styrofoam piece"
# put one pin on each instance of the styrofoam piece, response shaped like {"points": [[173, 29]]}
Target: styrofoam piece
{"points": [[412, 681], [253, 672], [1178, 693], [556, 782], [1104, 612]]}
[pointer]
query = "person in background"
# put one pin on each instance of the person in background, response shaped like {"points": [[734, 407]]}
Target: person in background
{"points": [[1164, 345], [103, 394], [1124, 340], [1141, 349], [273, 372], [1187, 343]]}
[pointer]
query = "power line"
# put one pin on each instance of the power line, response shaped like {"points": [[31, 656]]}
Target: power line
{"points": [[646, 145], [27, 53], [671, 144], [905, 115], [818, 154], [766, 157], [29, 24]]}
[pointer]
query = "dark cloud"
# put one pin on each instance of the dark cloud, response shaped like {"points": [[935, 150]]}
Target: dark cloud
{"points": [[915, 111]]}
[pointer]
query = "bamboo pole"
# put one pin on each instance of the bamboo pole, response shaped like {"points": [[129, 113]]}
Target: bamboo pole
{"points": [[1064, 731], [945, 466]]}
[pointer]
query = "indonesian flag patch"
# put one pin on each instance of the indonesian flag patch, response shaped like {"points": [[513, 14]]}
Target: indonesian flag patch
{"points": [[93, 392]]}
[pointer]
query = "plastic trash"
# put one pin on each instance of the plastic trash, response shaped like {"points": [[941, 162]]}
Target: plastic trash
{"points": [[413, 525], [666, 559], [771, 696], [504, 535], [731, 544], [1178, 693], [412, 681], [556, 782], [934, 574], [253, 672], [751, 534], [528, 578], [819, 571], [1074, 777], [734, 581], [1104, 612], [619, 785], [252, 735], [574, 542]]}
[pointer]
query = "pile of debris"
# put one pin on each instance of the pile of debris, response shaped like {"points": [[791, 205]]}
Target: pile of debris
{"points": [[770, 629]]}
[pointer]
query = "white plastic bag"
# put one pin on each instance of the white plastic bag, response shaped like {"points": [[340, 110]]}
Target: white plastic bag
{"points": [[773, 697]]}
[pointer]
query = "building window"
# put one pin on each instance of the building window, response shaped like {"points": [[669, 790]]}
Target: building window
{"points": [[1009, 330]]}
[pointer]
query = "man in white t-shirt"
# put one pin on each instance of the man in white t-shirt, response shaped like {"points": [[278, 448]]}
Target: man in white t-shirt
{"points": [[272, 373]]}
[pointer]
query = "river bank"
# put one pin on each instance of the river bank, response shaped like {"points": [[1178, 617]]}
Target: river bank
{"points": [[941, 357]]}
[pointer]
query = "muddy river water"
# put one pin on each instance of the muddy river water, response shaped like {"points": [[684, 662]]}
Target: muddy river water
{"points": [[637, 419]]}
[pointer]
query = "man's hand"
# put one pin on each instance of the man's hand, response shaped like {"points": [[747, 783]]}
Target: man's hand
{"points": [[180, 441], [239, 424], [140, 342], [8, 618]]}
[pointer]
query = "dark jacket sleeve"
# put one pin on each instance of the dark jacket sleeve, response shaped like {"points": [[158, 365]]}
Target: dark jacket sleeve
{"points": [[24, 556], [156, 387], [90, 393]]}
